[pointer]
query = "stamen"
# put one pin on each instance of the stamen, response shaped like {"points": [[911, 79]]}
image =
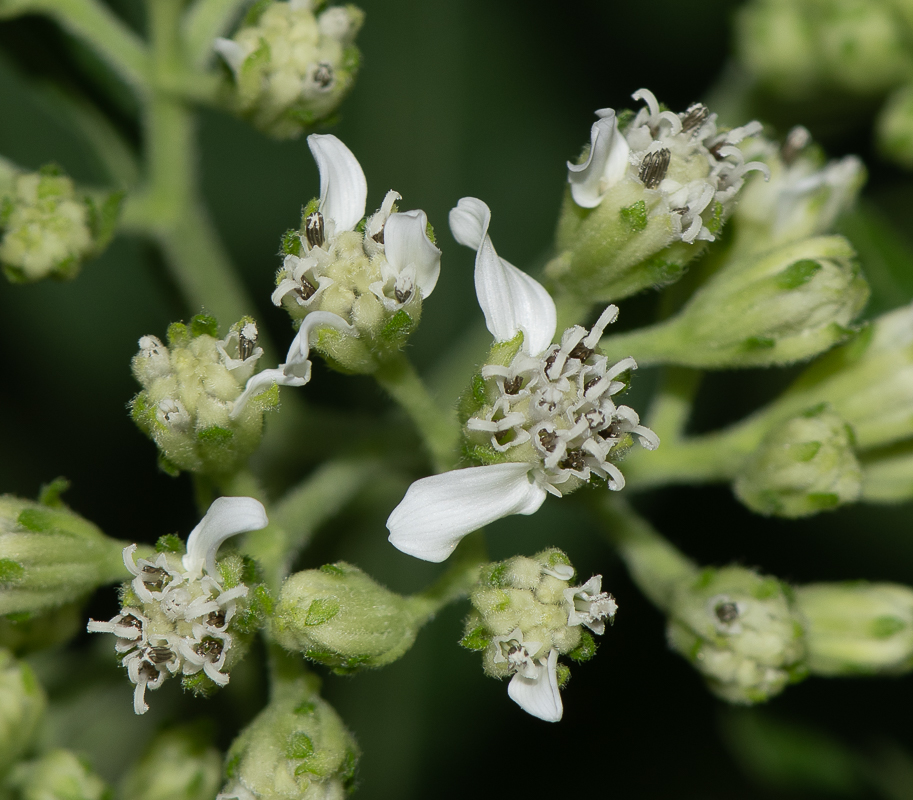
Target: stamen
{"points": [[548, 440], [247, 341], [216, 619], [726, 612], [513, 385], [401, 295], [379, 236], [159, 655], [796, 141], [694, 116], [153, 577], [210, 648], [574, 460], [306, 290], [654, 167], [323, 75], [314, 230]]}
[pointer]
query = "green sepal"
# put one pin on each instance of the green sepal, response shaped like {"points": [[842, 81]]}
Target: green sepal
{"points": [[49, 494], [204, 324], [170, 543]]}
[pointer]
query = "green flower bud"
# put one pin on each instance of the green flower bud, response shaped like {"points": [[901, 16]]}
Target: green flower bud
{"points": [[58, 774], [46, 229], [803, 466], [857, 628], [339, 616], [297, 748], [525, 614], [22, 703], [894, 127], [292, 64], [786, 305], [887, 474], [802, 198], [187, 406], [25, 632], [741, 631], [177, 764], [645, 199], [49, 556]]}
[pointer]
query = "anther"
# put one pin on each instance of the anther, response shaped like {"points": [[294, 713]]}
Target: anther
{"points": [[306, 290], [726, 612], [654, 167], [694, 116], [402, 295], [575, 460], [246, 342], [379, 236], [581, 352], [313, 229], [211, 648], [796, 141], [548, 440], [216, 619], [154, 577], [323, 75], [513, 385], [159, 655]]}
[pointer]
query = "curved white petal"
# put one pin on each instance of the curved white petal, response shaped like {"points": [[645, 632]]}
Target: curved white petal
{"points": [[605, 165], [227, 516], [406, 243], [232, 52], [539, 696], [440, 510], [469, 222], [300, 349], [343, 188], [510, 299]]}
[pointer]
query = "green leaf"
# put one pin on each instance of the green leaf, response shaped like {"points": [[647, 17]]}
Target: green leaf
{"points": [[798, 274], [169, 543], [11, 571], [50, 493], [201, 324], [635, 216], [321, 610], [299, 745]]}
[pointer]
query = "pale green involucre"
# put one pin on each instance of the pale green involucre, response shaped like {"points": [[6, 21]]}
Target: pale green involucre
{"points": [[22, 705], [58, 774]]}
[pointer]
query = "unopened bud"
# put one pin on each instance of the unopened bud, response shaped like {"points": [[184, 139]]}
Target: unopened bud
{"points": [[22, 704], [177, 764], [296, 747], [46, 228], [895, 127], [857, 628], [803, 466], [339, 616], [58, 774], [292, 66], [741, 631]]}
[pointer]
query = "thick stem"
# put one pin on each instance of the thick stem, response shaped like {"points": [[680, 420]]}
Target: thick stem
{"points": [[456, 582], [437, 426], [206, 20], [655, 344], [671, 409], [655, 565]]}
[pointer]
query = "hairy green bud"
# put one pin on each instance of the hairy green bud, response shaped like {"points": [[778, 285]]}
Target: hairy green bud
{"points": [[803, 466], [292, 64], [190, 388], [22, 704], [297, 747], [177, 765], [58, 774], [341, 617], [857, 628], [741, 631], [49, 556], [46, 228], [894, 127]]}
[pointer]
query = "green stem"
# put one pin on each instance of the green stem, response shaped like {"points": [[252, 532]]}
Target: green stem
{"points": [[437, 426], [206, 20], [655, 344], [571, 310], [671, 410], [456, 582], [97, 26], [655, 565]]}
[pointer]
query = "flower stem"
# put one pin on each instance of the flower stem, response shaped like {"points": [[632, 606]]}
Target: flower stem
{"points": [[655, 565], [456, 582], [654, 344], [437, 426], [672, 406], [206, 20]]}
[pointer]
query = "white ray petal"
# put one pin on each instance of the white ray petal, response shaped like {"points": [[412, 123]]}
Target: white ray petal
{"points": [[605, 165], [440, 510], [227, 516], [406, 243], [539, 696], [343, 188], [469, 222]]}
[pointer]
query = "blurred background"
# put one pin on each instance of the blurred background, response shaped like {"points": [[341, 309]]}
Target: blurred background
{"points": [[455, 98]]}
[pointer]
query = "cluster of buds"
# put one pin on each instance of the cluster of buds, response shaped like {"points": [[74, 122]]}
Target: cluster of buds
{"points": [[740, 630], [23, 702], [340, 617], [177, 763], [293, 63], [296, 747], [193, 404], [526, 613], [651, 188], [47, 229], [371, 275], [58, 773], [186, 615]]}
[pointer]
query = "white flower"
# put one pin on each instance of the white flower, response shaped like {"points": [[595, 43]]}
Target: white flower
{"points": [[534, 685], [588, 605], [680, 157], [554, 410], [182, 625]]}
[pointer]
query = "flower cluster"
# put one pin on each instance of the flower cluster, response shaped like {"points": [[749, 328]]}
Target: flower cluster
{"points": [[177, 611], [527, 613]]}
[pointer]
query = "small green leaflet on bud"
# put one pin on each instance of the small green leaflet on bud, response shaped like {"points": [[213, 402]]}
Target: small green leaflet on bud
{"points": [[741, 631], [293, 63], [894, 127], [372, 276], [645, 199], [47, 229], [783, 306], [527, 612], [177, 764], [297, 747], [49, 557], [193, 404], [187, 614], [58, 774], [803, 197], [22, 704], [803, 466], [341, 617], [857, 628]]}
